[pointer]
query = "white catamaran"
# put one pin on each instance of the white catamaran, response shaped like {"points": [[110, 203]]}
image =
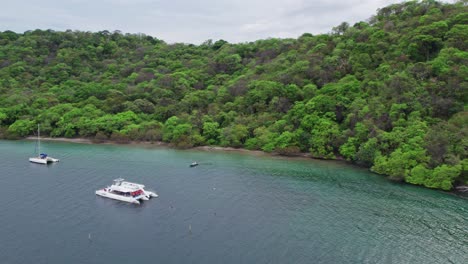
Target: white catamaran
{"points": [[41, 158], [126, 191]]}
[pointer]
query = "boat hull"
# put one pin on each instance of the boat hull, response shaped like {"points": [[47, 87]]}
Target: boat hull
{"points": [[129, 192], [47, 160], [50, 159], [107, 194], [38, 160], [150, 194]]}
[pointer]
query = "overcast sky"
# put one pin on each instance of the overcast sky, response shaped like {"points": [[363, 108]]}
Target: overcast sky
{"points": [[189, 21]]}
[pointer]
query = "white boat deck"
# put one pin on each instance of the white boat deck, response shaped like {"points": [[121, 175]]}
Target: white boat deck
{"points": [[126, 191]]}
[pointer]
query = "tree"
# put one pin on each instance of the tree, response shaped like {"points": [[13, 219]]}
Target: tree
{"points": [[424, 46], [367, 152], [419, 175], [169, 127], [287, 143], [211, 132], [443, 177], [323, 134], [457, 37], [234, 135], [3, 116], [399, 164], [21, 128]]}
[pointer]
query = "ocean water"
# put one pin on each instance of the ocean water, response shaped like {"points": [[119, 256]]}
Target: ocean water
{"points": [[232, 208]]}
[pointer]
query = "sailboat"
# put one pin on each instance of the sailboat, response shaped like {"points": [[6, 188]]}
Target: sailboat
{"points": [[41, 158]]}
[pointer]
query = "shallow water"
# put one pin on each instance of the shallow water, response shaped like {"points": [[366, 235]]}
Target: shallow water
{"points": [[232, 208]]}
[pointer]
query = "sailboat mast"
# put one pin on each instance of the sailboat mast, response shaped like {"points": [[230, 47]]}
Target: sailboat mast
{"points": [[38, 140]]}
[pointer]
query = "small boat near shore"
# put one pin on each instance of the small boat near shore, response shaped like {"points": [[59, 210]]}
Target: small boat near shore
{"points": [[41, 158], [129, 192], [193, 164], [462, 188]]}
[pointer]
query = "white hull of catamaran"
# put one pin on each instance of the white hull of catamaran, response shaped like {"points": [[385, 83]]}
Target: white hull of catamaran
{"points": [[127, 199], [151, 194], [50, 159], [43, 161], [38, 160]]}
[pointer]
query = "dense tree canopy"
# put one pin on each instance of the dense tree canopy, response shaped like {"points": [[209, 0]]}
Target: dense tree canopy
{"points": [[390, 93]]}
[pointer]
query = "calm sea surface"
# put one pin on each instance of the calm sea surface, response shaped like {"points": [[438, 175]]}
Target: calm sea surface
{"points": [[233, 208]]}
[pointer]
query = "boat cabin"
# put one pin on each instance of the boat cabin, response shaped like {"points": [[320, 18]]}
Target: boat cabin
{"points": [[118, 182]]}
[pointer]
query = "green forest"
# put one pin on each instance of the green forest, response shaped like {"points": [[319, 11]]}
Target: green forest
{"points": [[389, 94]]}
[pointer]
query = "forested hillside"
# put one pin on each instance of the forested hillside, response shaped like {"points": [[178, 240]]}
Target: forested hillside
{"points": [[390, 93]]}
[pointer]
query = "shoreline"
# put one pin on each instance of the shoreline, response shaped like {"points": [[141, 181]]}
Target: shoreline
{"points": [[160, 143], [73, 140], [305, 156]]}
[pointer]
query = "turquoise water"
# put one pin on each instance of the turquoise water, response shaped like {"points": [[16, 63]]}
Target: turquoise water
{"points": [[232, 208]]}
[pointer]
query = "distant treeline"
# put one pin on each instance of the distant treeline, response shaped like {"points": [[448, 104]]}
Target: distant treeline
{"points": [[390, 93]]}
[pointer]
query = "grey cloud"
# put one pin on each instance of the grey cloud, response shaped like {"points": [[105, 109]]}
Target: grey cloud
{"points": [[189, 21]]}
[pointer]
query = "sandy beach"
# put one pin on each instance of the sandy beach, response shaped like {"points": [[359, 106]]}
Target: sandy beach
{"points": [[160, 143], [74, 140]]}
